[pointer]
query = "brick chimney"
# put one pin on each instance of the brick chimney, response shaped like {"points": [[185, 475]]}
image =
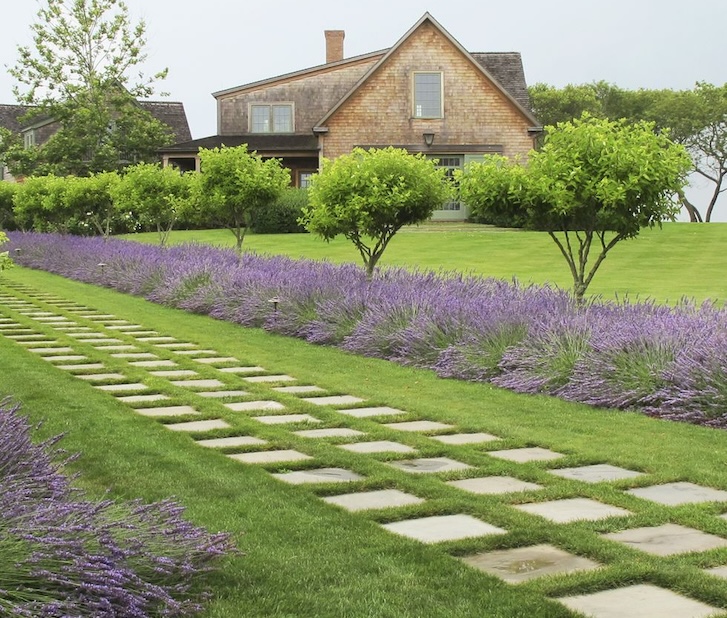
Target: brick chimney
{"points": [[334, 45]]}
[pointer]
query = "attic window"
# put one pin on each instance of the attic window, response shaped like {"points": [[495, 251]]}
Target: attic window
{"points": [[428, 95], [277, 118], [29, 138]]}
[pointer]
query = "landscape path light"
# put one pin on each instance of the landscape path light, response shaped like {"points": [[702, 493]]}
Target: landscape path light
{"points": [[274, 301]]}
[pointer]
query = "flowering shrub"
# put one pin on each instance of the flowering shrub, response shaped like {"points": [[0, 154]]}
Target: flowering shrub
{"points": [[669, 362], [62, 554], [5, 261]]}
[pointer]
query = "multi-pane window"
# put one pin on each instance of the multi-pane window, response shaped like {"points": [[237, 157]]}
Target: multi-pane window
{"points": [[304, 179], [271, 118], [29, 138], [427, 95], [450, 163]]}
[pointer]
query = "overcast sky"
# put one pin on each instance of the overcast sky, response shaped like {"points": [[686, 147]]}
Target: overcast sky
{"points": [[211, 45]]}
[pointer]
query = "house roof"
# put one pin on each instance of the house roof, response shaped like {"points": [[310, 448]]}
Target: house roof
{"points": [[509, 74], [268, 142], [170, 113], [507, 69], [9, 117]]}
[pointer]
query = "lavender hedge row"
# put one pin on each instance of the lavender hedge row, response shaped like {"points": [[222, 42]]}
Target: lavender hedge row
{"points": [[669, 362], [62, 554]]}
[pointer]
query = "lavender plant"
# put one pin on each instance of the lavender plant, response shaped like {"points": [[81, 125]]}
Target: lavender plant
{"points": [[667, 361], [62, 554]]}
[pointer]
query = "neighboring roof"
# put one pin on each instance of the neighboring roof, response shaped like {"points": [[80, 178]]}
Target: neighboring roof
{"points": [[9, 115], [507, 69], [524, 109], [255, 142], [172, 114]]}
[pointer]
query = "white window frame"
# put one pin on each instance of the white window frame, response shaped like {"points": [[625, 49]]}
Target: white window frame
{"points": [[271, 118], [416, 113], [29, 138]]}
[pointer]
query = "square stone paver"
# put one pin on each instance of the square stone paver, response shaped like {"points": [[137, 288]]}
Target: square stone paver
{"points": [[142, 398], [367, 412], [667, 540], [596, 473], [116, 388], [494, 485], [381, 499], [422, 426], [673, 494], [379, 446], [79, 367], [248, 406], [217, 423], [720, 571], [270, 378], [573, 509], [525, 563], [167, 411], [153, 363], [296, 390], [232, 441], [466, 438], [430, 465], [264, 457], [319, 475], [523, 455], [100, 377], [333, 400], [283, 419], [174, 373], [443, 528], [242, 370], [216, 360], [638, 601], [58, 350], [333, 432], [134, 355], [222, 394], [198, 383]]}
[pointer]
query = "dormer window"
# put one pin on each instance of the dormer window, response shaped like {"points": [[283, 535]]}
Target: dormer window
{"points": [[276, 118], [29, 138], [428, 95]]}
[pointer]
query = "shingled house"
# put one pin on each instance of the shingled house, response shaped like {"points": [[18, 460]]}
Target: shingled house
{"points": [[425, 94], [38, 131]]}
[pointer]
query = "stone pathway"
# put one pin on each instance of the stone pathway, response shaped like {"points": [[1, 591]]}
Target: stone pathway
{"points": [[197, 391]]}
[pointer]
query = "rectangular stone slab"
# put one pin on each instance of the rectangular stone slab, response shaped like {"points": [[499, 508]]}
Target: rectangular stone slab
{"points": [[247, 406], [167, 411]]}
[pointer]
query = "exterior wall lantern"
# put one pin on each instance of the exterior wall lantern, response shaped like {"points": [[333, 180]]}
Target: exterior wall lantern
{"points": [[428, 139]]}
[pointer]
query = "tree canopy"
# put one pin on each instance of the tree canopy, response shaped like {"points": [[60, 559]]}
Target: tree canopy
{"points": [[81, 72], [594, 183], [695, 118], [233, 184], [368, 195]]}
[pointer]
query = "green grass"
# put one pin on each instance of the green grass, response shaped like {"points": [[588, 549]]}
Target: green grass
{"points": [[303, 558], [666, 264]]}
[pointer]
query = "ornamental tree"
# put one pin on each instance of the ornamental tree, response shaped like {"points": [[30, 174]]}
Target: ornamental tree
{"points": [[91, 200], [156, 195], [594, 184], [233, 184], [82, 71], [368, 195]]}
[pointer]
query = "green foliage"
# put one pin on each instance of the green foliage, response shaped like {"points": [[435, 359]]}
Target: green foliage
{"points": [[39, 204], [78, 73], [593, 184], [156, 195], [371, 194], [282, 216], [234, 185], [7, 193], [5, 261], [90, 199]]}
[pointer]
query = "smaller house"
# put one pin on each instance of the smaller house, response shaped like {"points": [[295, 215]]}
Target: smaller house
{"points": [[38, 131], [426, 94]]}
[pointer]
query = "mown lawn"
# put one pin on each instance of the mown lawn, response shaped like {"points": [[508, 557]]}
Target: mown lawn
{"points": [[304, 558], [666, 264]]}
